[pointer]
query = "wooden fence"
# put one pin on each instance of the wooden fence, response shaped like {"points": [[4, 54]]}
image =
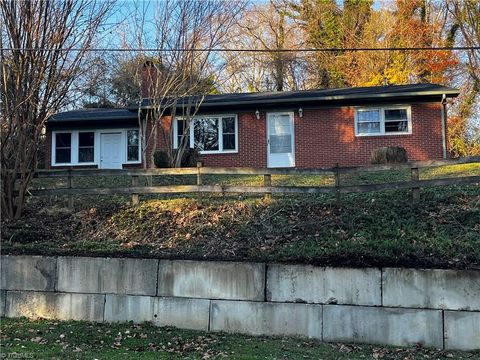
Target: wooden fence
{"points": [[267, 189]]}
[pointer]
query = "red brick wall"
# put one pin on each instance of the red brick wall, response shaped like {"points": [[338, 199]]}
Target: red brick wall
{"points": [[324, 137], [252, 144]]}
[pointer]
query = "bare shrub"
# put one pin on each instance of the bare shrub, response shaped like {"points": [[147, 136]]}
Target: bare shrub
{"points": [[389, 154]]}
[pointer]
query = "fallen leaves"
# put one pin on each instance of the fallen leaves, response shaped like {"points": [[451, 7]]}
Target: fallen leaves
{"points": [[182, 346], [92, 340], [286, 229], [39, 340]]}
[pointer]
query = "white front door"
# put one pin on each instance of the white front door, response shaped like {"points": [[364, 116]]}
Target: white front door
{"points": [[111, 153], [280, 140]]}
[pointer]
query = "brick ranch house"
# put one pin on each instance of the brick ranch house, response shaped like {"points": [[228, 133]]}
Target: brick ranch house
{"points": [[304, 129]]}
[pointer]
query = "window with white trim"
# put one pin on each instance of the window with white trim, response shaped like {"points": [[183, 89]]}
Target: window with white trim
{"points": [[383, 121], [208, 134], [133, 145], [63, 148], [86, 147], [83, 147], [229, 133], [181, 134]]}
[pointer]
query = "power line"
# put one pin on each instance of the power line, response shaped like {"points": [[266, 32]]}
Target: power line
{"points": [[456, 48]]}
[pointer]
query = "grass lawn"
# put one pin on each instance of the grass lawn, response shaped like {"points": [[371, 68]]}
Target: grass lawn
{"points": [[375, 229], [83, 340]]}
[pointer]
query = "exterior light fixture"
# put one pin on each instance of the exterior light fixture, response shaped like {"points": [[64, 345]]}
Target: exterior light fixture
{"points": [[257, 114], [300, 112]]}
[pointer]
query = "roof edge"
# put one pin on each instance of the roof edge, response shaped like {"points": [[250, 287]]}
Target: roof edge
{"points": [[449, 92]]}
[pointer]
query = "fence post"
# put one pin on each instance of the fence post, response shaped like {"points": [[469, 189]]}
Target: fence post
{"points": [[135, 196], [70, 185], [337, 183], [267, 182], [415, 190], [199, 179]]}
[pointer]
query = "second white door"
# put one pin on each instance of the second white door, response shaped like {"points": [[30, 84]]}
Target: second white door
{"points": [[280, 140], [111, 153]]}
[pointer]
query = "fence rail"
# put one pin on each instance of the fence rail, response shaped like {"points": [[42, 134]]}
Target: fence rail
{"points": [[267, 189], [252, 171]]}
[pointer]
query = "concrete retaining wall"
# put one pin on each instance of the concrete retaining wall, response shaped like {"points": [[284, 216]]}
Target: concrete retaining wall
{"points": [[50, 305], [437, 289], [437, 308], [115, 276], [300, 283], [28, 273], [259, 318], [382, 325], [211, 280]]}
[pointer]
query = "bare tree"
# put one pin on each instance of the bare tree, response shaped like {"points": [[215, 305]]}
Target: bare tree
{"points": [[464, 125], [265, 27], [178, 75], [466, 15], [42, 46]]}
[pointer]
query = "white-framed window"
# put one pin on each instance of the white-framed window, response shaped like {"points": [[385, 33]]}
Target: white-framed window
{"points": [[83, 147], [209, 134], [383, 120], [86, 147], [62, 147], [133, 145]]}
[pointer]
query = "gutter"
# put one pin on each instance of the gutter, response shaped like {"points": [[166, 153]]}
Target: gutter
{"points": [[82, 119], [444, 125], [452, 93]]}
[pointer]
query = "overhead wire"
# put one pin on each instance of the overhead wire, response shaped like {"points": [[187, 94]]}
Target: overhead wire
{"points": [[442, 48]]}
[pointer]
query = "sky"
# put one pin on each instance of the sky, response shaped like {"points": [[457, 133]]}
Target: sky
{"points": [[116, 31]]}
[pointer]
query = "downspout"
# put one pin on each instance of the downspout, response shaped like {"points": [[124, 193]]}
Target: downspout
{"points": [[444, 125]]}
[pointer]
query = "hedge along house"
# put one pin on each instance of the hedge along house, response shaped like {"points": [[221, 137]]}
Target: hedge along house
{"points": [[305, 129]]}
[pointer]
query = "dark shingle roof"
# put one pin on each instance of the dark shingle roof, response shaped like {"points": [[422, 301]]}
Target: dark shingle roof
{"points": [[93, 114], [343, 94], [246, 101]]}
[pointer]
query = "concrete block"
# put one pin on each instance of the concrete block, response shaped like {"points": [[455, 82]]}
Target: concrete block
{"points": [[211, 280], [123, 308], [51, 305], [311, 284], [183, 313], [390, 326], [105, 275], [462, 330], [28, 273], [437, 289], [3, 296], [257, 318]]}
